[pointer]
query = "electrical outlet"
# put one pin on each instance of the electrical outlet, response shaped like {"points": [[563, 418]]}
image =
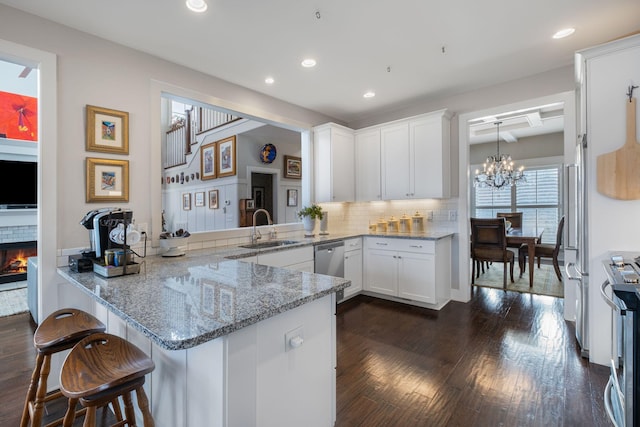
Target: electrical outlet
{"points": [[453, 215], [143, 227], [429, 215]]}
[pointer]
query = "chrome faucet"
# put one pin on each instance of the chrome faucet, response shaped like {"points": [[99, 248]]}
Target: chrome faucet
{"points": [[255, 234]]}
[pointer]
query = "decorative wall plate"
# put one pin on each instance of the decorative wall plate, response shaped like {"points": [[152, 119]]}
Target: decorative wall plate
{"points": [[268, 153]]}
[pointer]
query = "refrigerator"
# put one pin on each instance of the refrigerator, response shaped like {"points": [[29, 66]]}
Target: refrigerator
{"points": [[601, 224]]}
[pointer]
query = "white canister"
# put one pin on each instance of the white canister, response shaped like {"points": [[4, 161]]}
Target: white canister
{"points": [[417, 223]]}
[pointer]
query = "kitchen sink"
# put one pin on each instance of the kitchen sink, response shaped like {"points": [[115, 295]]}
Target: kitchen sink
{"points": [[269, 244]]}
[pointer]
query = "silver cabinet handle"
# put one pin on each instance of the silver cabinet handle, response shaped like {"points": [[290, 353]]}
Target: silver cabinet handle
{"points": [[415, 246], [381, 244]]}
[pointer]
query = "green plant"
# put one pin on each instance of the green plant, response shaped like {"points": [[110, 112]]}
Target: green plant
{"points": [[314, 211]]}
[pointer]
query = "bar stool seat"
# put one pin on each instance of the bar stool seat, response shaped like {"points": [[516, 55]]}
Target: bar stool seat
{"points": [[101, 368], [60, 331]]}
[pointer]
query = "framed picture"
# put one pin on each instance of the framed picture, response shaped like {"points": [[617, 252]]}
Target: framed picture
{"points": [[292, 197], [107, 130], [186, 201], [251, 204], [258, 196], [292, 167], [213, 199], [208, 161], [199, 202], [107, 180], [227, 157]]}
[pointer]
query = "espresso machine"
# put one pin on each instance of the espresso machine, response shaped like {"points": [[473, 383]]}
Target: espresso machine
{"points": [[100, 223]]}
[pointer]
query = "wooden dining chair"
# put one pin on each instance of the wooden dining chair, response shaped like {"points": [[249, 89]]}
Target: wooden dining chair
{"points": [[489, 243], [515, 218], [544, 251]]}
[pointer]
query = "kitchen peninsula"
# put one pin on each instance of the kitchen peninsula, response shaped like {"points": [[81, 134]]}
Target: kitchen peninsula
{"points": [[233, 342]]}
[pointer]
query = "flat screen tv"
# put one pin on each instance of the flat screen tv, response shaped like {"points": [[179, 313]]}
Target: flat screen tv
{"points": [[18, 185]]}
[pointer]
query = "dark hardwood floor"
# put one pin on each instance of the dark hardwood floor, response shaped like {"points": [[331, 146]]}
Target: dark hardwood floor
{"points": [[503, 359]]}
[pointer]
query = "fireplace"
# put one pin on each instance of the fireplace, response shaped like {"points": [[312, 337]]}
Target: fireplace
{"points": [[13, 260]]}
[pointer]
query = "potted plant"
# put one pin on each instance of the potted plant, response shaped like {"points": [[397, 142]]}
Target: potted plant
{"points": [[309, 214]]}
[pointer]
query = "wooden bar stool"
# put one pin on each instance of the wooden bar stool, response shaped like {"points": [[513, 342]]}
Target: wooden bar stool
{"points": [[58, 332], [101, 368]]}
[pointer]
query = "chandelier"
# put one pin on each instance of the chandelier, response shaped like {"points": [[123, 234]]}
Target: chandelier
{"points": [[498, 170]]}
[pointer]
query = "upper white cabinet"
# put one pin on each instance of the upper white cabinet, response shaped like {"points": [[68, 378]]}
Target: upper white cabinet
{"points": [[368, 180], [415, 157], [334, 177]]}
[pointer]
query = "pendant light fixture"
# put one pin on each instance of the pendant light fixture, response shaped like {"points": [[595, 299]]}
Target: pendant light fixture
{"points": [[498, 170]]}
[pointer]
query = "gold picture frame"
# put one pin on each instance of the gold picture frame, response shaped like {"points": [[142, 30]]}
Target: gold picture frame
{"points": [[107, 130], [107, 180], [292, 167], [208, 156], [199, 199], [226, 165]]}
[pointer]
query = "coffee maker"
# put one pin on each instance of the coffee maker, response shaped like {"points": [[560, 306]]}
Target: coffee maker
{"points": [[100, 222]]}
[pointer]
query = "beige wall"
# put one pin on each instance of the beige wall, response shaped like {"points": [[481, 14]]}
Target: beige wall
{"points": [[550, 145]]}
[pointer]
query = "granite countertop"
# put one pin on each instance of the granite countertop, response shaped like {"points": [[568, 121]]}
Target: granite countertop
{"points": [[183, 302]]}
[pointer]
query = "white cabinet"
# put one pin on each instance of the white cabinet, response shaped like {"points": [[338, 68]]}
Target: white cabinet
{"points": [[368, 181], [411, 269], [353, 266], [415, 157], [334, 177]]}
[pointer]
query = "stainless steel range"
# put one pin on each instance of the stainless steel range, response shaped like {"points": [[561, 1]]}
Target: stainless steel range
{"points": [[622, 395]]}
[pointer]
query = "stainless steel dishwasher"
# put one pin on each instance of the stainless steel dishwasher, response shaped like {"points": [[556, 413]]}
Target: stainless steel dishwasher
{"points": [[329, 259]]}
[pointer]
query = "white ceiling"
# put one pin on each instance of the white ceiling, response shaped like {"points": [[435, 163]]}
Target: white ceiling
{"points": [[354, 42]]}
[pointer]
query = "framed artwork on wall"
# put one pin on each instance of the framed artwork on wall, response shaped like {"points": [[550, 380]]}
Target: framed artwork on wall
{"points": [[213, 199], [227, 157], [292, 197], [107, 130], [199, 196], [258, 196], [107, 180], [208, 161], [186, 201], [292, 167]]}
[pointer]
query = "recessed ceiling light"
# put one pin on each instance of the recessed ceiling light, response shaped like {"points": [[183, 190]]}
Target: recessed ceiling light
{"points": [[269, 80], [369, 94], [198, 6], [564, 33], [308, 63]]}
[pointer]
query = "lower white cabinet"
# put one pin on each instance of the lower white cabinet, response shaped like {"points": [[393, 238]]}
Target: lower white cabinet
{"points": [[411, 269], [353, 266]]}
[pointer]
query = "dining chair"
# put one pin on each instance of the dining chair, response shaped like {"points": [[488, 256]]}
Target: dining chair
{"points": [[544, 251], [489, 243], [515, 218]]}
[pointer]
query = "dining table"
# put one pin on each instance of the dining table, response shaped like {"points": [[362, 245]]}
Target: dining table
{"points": [[531, 236]]}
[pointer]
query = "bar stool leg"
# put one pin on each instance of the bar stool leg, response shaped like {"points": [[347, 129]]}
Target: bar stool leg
{"points": [[128, 408], [41, 394], [90, 417], [143, 404], [70, 415], [31, 393]]}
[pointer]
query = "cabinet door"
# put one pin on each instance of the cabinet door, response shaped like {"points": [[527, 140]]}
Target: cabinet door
{"points": [[368, 179], [416, 278], [353, 272], [382, 272], [395, 161], [342, 166], [430, 159]]}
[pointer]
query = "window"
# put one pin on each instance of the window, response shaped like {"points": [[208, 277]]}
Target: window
{"points": [[539, 200]]}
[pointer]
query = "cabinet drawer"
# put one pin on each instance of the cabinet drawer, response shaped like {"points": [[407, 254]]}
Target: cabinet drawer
{"points": [[353, 244], [406, 245], [288, 257]]}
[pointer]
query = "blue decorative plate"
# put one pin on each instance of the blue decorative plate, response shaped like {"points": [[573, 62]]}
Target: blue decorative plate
{"points": [[268, 153]]}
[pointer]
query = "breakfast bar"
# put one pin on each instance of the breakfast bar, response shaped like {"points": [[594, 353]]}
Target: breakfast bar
{"points": [[233, 342]]}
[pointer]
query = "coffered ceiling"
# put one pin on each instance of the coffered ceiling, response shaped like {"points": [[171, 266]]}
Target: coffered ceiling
{"points": [[403, 51]]}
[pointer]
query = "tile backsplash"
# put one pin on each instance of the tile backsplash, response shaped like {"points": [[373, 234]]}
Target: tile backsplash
{"points": [[355, 217]]}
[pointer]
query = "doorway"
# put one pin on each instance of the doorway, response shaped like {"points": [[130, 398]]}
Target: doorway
{"points": [[263, 187], [467, 175]]}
